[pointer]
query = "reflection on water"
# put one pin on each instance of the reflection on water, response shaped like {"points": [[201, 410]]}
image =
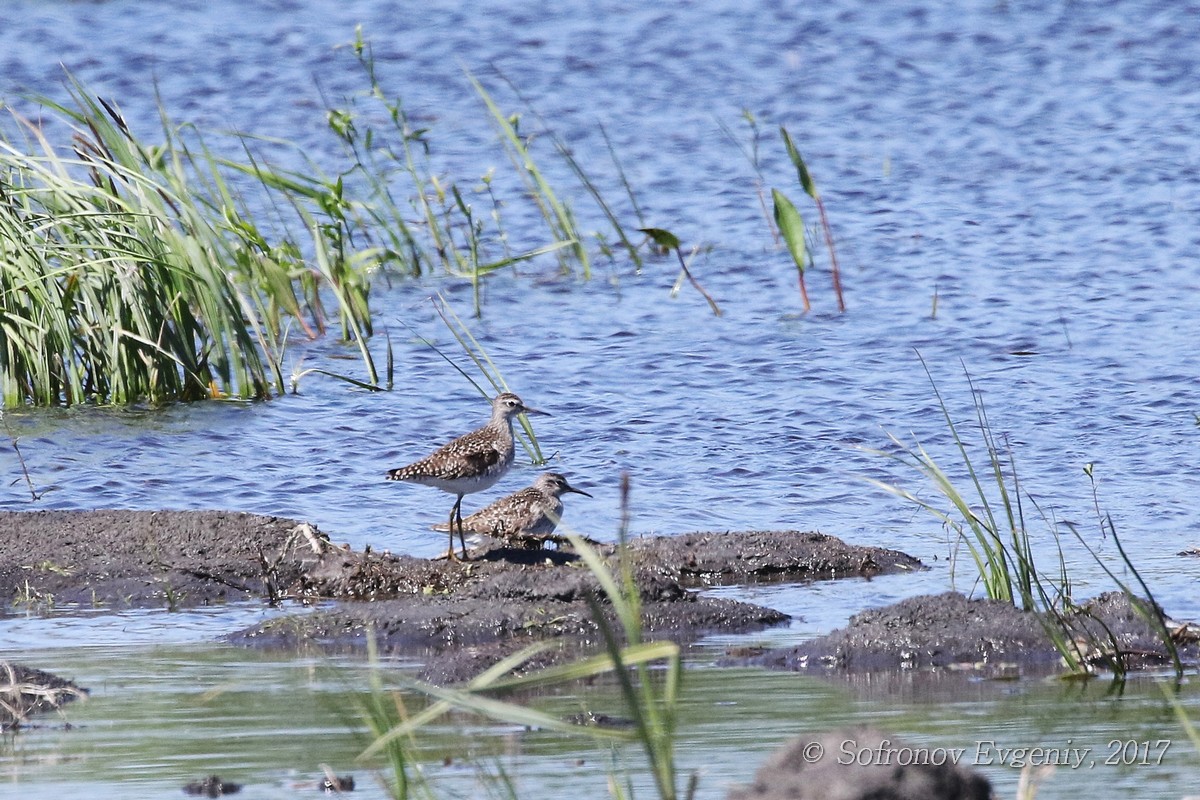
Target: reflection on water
{"points": [[1032, 167]]}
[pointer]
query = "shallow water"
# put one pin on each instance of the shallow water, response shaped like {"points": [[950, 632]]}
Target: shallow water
{"points": [[1032, 167], [162, 715]]}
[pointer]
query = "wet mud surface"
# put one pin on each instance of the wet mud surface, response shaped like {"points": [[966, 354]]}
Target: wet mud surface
{"points": [[741, 557], [140, 559], [982, 637], [458, 617]]}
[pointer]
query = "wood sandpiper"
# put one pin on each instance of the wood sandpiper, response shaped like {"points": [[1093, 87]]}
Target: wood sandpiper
{"points": [[530, 514], [471, 463]]}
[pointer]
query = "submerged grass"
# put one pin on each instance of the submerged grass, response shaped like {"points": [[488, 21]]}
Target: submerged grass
{"points": [[751, 155], [989, 518], [34, 494]]}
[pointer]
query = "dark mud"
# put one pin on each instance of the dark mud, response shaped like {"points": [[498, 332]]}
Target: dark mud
{"points": [[457, 617], [169, 559], [464, 617], [25, 691], [460, 617], [981, 637], [715, 558], [861, 764]]}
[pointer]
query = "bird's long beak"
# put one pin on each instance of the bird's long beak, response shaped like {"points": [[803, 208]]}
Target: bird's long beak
{"points": [[527, 410], [576, 491]]}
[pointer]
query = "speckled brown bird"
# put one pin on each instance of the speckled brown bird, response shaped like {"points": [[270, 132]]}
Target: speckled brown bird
{"points": [[471, 463], [532, 513]]}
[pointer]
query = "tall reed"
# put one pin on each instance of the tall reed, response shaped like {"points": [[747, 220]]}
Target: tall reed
{"points": [[558, 215], [130, 272], [486, 367], [588, 183], [752, 156]]}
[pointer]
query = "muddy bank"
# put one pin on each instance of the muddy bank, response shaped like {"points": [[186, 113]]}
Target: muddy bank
{"points": [[460, 617], [475, 611], [464, 617], [182, 559], [459, 636], [168, 559], [25, 691], [744, 556], [980, 637]]}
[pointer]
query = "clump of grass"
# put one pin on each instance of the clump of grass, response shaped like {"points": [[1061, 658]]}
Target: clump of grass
{"points": [[993, 529], [990, 519], [129, 272]]}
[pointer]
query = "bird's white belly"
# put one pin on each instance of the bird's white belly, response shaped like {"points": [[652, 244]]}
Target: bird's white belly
{"points": [[477, 483]]}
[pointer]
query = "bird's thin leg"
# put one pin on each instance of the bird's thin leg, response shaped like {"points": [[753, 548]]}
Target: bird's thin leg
{"points": [[461, 540], [450, 554]]}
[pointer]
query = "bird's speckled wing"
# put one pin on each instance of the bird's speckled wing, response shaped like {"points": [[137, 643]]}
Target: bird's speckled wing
{"points": [[465, 457]]}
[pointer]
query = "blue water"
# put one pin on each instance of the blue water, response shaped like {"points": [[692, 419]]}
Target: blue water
{"points": [[1030, 168]]}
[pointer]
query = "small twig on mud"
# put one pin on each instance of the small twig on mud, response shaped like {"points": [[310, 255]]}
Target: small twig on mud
{"points": [[270, 576], [317, 542], [204, 575], [302, 534]]}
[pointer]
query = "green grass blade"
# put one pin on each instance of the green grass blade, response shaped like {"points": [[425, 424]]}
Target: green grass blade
{"points": [[806, 181]]}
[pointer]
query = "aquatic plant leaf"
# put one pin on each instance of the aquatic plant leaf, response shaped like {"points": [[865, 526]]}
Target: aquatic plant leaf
{"points": [[806, 181], [791, 225], [663, 238]]}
